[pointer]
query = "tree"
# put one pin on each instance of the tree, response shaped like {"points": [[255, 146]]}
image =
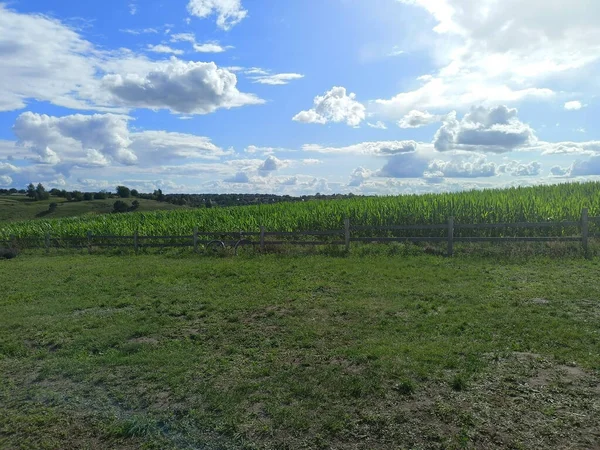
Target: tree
{"points": [[123, 192], [135, 193], [88, 196], [31, 191], [120, 207], [102, 195], [134, 205], [52, 207], [41, 193]]}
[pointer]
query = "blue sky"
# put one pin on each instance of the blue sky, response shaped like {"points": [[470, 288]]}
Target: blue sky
{"points": [[297, 97]]}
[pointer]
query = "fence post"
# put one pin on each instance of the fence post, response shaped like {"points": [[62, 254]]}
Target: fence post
{"points": [[262, 238], [451, 236], [89, 242], [347, 233], [135, 241], [47, 243], [585, 229], [196, 240]]}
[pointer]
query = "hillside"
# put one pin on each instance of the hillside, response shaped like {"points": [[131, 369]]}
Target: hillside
{"points": [[19, 208]]}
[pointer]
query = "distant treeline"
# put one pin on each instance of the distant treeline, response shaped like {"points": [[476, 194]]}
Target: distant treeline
{"points": [[192, 200]]}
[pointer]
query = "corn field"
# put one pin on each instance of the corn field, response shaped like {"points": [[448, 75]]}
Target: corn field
{"points": [[562, 202]]}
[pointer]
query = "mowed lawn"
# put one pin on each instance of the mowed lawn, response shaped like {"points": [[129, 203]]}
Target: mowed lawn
{"points": [[292, 352]]}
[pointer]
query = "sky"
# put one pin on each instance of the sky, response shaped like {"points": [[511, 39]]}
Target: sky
{"points": [[375, 97]]}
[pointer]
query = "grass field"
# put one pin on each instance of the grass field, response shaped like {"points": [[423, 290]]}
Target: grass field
{"points": [[18, 208], [277, 352], [533, 204]]}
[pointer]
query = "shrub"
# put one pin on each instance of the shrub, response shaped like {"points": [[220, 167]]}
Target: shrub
{"points": [[52, 207], [8, 253], [120, 207]]}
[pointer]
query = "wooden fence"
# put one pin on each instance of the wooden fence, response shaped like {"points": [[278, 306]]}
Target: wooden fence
{"points": [[449, 233]]}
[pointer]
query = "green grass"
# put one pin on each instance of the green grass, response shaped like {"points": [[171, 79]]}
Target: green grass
{"points": [[20, 208], [280, 352], [532, 204]]}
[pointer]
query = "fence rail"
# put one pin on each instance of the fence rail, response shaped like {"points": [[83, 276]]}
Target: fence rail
{"points": [[303, 238]]}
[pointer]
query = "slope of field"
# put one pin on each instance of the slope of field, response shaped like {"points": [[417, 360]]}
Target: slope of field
{"points": [[533, 204], [19, 208], [314, 352]]}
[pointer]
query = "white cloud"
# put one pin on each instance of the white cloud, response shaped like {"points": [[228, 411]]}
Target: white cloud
{"points": [[5, 180], [277, 79], [359, 176], [496, 130], [183, 37], [335, 106], [271, 164], [188, 88], [228, 12], [133, 8], [474, 167], [238, 178], [206, 47], [140, 31], [558, 171], [86, 139], [518, 169], [101, 139], [161, 146], [417, 119], [404, 165], [500, 51], [568, 148], [377, 125], [377, 148], [41, 59], [573, 106], [211, 47], [160, 48], [396, 51]]}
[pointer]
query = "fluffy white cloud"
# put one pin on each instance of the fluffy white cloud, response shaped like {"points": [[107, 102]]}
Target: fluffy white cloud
{"points": [[498, 51], [97, 140], [238, 178], [404, 165], [88, 139], [568, 148], [558, 171], [161, 48], [589, 167], [417, 119], [228, 12], [190, 88], [41, 59], [496, 130], [359, 176], [334, 106], [474, 167], [5, 180], [573, 105], [518, 169], [271, 164]]}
